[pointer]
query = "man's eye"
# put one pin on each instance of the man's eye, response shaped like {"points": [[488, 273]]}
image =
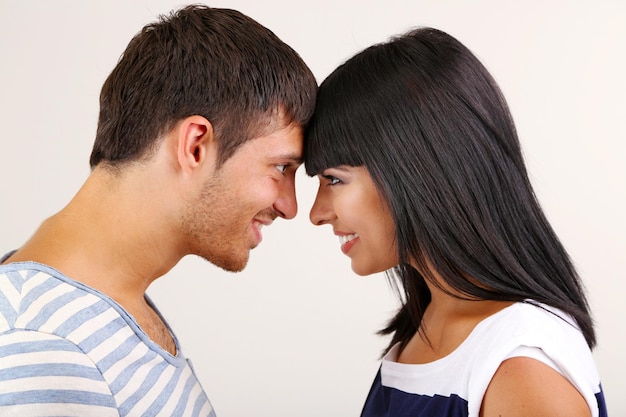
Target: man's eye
{"points": [[281, 168]]}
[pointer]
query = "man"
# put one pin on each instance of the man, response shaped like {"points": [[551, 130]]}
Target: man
{"points": [[198, 140]]}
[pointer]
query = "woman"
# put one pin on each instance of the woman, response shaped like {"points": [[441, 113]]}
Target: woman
{"points": [[421, 175]]}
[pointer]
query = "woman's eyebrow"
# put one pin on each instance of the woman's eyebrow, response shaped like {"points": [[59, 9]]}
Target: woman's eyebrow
{"points": [[343, 168]]}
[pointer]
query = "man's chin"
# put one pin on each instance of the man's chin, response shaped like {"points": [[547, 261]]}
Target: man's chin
{"points": [[236, 268], [229, 264]]}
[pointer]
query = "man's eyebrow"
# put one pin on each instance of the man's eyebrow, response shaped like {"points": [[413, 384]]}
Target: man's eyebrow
{"points": [[296, 158]]}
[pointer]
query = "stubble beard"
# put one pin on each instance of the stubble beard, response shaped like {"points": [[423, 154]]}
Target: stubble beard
{"points": [[213, 227]]}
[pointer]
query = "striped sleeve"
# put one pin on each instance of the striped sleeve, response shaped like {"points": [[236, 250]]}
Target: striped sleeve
{"points": [[43, 374], [67, 350]]}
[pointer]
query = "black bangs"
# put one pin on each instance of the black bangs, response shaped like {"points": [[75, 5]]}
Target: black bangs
{"points": [[355, 113], [335, 135]]}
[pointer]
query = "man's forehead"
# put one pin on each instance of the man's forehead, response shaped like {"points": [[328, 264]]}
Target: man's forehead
{"points": [[284, 142]]}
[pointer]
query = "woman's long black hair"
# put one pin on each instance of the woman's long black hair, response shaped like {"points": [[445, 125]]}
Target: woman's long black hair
{"points": [[431, 126]]}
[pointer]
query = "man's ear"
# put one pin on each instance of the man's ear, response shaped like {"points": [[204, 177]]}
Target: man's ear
{"points": [[196, 143]]}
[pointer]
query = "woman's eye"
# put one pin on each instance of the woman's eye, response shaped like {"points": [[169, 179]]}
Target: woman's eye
{"points": [[332, 180], [281, 168]]}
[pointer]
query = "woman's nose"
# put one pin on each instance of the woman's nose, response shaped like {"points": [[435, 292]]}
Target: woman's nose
{"points": [[321, 211]]}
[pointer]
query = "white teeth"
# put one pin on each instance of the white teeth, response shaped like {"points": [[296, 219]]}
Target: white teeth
{"points": [[347, 238]]}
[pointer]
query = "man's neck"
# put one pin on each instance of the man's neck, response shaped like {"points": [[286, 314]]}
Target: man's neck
{"points": [[108, 237]]}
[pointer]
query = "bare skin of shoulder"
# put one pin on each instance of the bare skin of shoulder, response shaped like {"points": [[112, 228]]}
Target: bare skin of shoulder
{"points": [[524, 387]]}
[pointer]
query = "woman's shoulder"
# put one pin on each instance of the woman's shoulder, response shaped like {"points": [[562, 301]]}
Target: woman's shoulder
{"points": [[525, 386], [527, 325], [529, 319], [533, 340]]}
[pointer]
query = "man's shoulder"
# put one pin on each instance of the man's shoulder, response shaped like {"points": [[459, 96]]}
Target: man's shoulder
{"points": [[36, 298], [42, 371]]}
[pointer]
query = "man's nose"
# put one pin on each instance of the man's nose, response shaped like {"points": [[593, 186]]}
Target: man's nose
{"points": [[286, 205]]}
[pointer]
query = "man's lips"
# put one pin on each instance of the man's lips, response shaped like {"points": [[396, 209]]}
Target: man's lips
{"points": [[257, 225]]}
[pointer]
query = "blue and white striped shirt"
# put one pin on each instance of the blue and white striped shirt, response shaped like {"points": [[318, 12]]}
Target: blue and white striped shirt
{"points": [[68, 350]]}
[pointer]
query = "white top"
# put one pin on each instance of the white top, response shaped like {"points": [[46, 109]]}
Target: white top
{"points": [[462, 377]]}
